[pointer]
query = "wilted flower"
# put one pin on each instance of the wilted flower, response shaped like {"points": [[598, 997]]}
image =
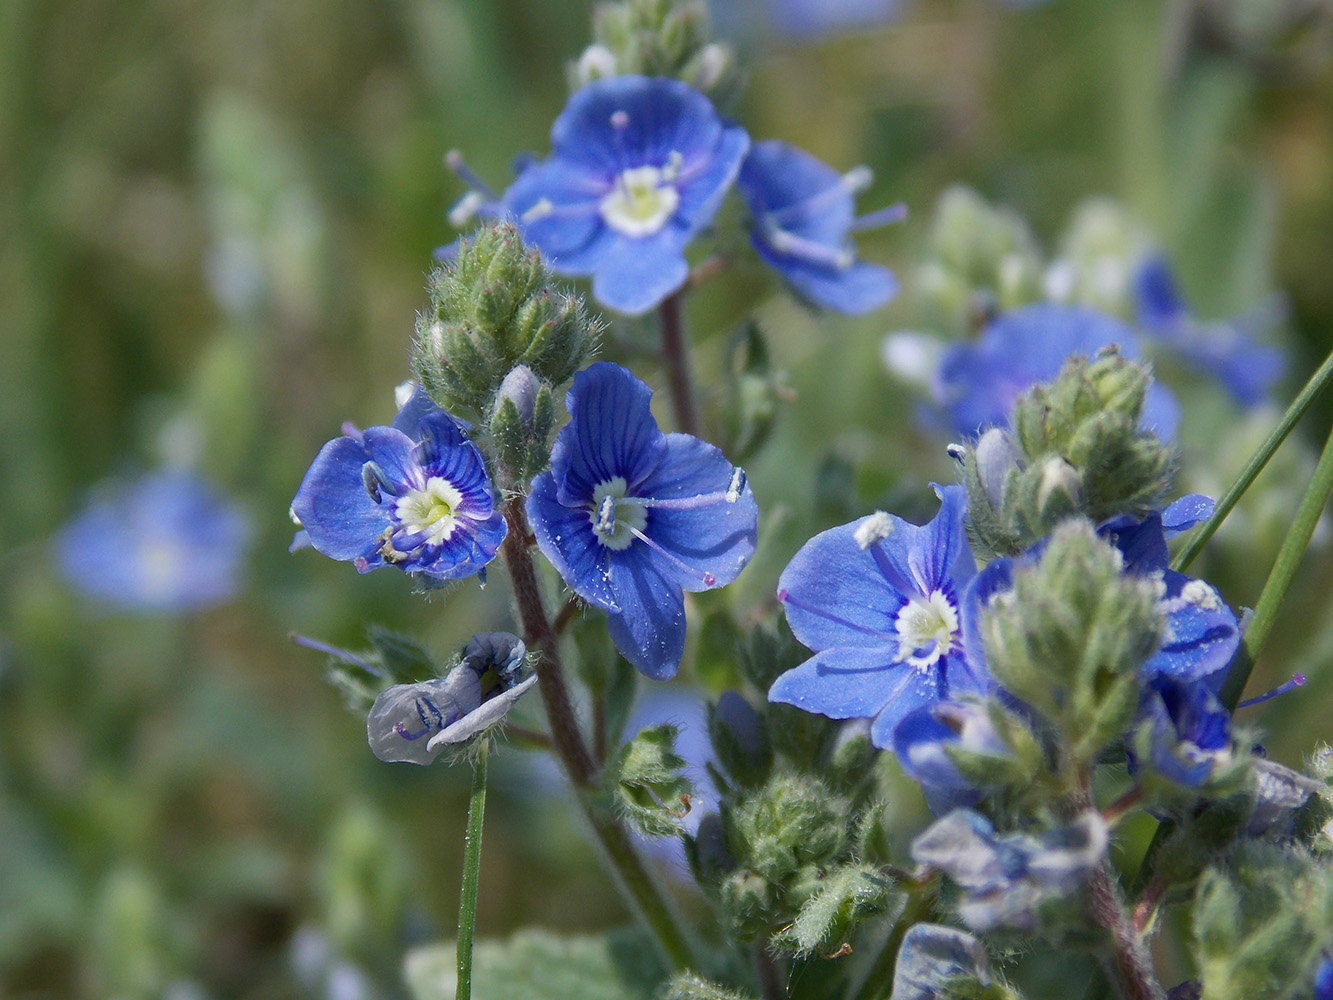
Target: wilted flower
{"points": [[414, 722], [631, 517], [639, 166], [165, 542], [878, 600], [413, 495], [803, 221], [1006, 876], [1184, 732], [921, 744], [933, 953]]}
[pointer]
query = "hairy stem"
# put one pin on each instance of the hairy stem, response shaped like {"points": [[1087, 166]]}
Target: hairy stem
{"points": [[467, 906], [632, 876], [676, 359], [1127, 963]]}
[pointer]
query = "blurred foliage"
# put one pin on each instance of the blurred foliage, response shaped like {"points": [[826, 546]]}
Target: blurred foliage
{"points": [[216, 217]]}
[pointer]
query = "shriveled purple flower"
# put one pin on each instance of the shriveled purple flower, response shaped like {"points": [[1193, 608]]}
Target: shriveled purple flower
{"points": [[413, 495], [979, 381], [1005, 877], [632, 517], [163, 543], [803, 224], [638, 166], [879, 602], [1226, 350], [931, 954], [412, 723]]}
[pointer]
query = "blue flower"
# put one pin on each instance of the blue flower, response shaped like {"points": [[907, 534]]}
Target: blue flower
{"points": [[1323, 978], [162, 543], [1006, 878], [631, 517], [639, 166], [803, 221], [921, 740], [1225, 350], [878, 600], [1187, 731], [1200, 634], [979, 381], [412, 723], [814, 18], [413, 495]]}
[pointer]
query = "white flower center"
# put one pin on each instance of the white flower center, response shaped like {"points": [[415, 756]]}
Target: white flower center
{"points": [[641, 202], [614, 523], [430, 511], [926, 628]]}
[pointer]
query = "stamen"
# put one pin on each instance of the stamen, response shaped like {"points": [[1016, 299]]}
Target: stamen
{"points": [[736, 486], [784, 241], [706, 578], [453, 160], [343, 654], [882, 217], [877, 527], [1297, 680], [465, 208], [671, 169], [732, 494]]}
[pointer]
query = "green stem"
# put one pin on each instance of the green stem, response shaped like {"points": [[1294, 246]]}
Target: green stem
{"points": [[467, 907], [1281, 576], [632, 876], [1255, 465]]}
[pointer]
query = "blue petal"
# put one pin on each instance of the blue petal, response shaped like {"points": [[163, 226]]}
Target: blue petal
{"points": [[705, 177], [1156, 297], [1201, 634], [333, 506], [394, 452], [649, 628], [445, 451], [842, 683], [918, 743], [1161, 412], [718, 538], [834, 593], [853, 290], [996, 577], [912, 689], [565, 536], [639, 272], [1186, 512], [466, 552], [611, 433], [574, 218], [806, 195], [1141, 543], [411, 412]]}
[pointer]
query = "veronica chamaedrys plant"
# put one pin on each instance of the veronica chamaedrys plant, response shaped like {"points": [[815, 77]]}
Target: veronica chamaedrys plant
{"points": [[804, 218], [632, 517], [879, 601], [414, 495], [638, 166], [165, 542], [414, 722]]}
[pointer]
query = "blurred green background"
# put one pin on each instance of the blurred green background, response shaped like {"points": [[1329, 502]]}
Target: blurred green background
{"points": [[215, 221]]}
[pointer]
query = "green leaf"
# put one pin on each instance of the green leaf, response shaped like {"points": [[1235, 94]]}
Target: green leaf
{"points": [[826, 918], [621, 965]]}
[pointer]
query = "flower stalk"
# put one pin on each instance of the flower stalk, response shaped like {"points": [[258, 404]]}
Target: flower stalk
{"points": [[467, 907], [676, 359]]}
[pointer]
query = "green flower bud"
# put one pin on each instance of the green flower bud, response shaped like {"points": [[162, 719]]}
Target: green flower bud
{"points": [[1069, 637], [494, 308], [790, 821], [521, 423], [647, 784]]}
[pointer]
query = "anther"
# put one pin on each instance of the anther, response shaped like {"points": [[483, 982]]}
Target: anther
{"points": [[957, 452], [736, 486], [620, 119], [453, 160], [606, 515]]}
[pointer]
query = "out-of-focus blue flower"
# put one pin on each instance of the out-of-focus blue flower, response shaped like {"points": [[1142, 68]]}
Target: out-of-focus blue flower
{"points": [[932, 953], [414, 722], [165, 542], [413, 495], [1323, 979], [632, 517], [638, 166], [1189, 731], [979, 381], [920, 743], [816, 18], [803, 221], [1201, 634], [878, 601], [1006, 876], [1226, 350]]}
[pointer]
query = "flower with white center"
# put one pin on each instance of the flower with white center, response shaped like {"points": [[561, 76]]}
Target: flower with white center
{"points": [[413, 495], [638, 167], [632, 517], [878, 602]]}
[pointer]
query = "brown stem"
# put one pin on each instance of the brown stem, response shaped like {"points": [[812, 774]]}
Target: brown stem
{"points": [[1127, 964], [1122, 805], [706, 270], [676, 359], [522, 734]]}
